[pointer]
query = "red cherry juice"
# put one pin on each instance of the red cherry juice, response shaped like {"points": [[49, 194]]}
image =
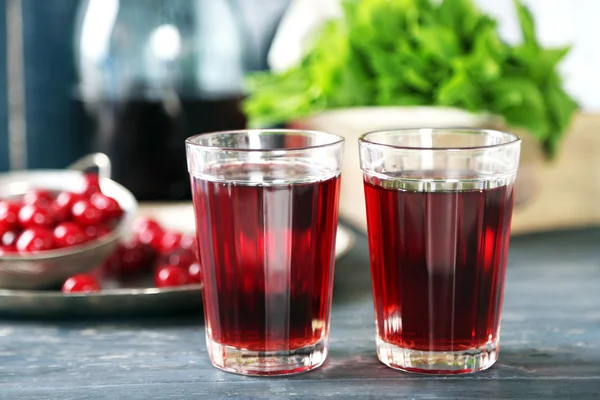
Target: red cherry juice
{"points": [[438, 260], [267, 251]]}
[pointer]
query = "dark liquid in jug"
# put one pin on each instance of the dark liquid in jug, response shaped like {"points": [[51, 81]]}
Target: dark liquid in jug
{"points": [[145, 139]]}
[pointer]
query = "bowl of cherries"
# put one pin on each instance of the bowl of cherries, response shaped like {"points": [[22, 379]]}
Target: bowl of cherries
{"points": [[56, 223], [152, 271], [155, 258]]}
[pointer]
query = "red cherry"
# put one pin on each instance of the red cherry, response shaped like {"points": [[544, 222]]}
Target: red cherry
{"points": [[9, 214], [96, 232], [36, 239], [8, 243], [187, 242], [32, 215], [194, 250], [39, 197], [85, 213], [170, 241], [146, 223], [8, 238], [91, 185], [7, 250], [81, 283], [181, 258], [68, 234], [194, 273], [169, 276], [4, 227], [148, 231], [135, 257], [112, 264], [109, 207], [60, 215], [64, 203]]}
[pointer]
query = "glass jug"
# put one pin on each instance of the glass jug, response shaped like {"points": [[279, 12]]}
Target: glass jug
{"points": [[154, 72]]}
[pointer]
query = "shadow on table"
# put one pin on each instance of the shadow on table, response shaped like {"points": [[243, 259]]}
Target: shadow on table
{"points": [[518, 374], [523, 364]]}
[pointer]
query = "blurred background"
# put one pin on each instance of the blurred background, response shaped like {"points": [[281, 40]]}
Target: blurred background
{"points": [[131, 78], [134, 78]]}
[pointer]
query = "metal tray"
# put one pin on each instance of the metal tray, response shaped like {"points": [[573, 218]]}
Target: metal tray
{"points": [[138, 299]]}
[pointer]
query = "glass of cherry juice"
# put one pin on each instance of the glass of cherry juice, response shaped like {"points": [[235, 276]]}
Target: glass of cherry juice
{"points": [[266, 206], [439, 205]]}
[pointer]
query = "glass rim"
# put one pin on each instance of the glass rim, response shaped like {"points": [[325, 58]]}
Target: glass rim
{"points": [[336, 139], [477, 131]]}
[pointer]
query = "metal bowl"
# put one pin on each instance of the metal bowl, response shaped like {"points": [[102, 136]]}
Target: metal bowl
{"points": [[50, 268], [134, 298]]}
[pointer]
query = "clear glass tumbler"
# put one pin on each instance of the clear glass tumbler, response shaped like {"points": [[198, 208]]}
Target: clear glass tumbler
{"points": [[266, 206], [439, 206]]}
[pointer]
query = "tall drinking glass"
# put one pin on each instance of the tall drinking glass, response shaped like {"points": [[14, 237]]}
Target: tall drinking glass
{"points": [[439, 205], [266, 206]]}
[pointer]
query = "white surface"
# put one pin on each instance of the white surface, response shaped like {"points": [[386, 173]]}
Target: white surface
{"points": [[180, 217]]}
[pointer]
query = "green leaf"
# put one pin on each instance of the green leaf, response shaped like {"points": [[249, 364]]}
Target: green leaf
{"points": [[539, 64], [460, 15], [354, 86], [527, 25], [551, 57], [328, 56], [521, 103], [453, 91], [403, 99], [480, 68], [421, 52], [506, 96], [436, 42], [487, 41], [561, 108], [389, 18], [416, 81], [276, 96]]}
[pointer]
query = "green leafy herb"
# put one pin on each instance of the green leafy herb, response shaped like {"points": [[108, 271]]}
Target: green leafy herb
{"points": [[421, 52]]}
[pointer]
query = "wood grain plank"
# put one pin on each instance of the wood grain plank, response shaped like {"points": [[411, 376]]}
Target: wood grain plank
{"points": [[550, 344]]}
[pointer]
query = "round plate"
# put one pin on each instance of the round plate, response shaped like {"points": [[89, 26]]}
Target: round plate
{"points": [[180, 216], [138, 298]]}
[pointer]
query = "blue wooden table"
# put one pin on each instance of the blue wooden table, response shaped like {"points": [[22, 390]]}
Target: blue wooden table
{"points": [[550, 345]]}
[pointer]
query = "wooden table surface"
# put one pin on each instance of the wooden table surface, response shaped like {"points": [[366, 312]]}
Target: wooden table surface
{"points": [[550, 345]]}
